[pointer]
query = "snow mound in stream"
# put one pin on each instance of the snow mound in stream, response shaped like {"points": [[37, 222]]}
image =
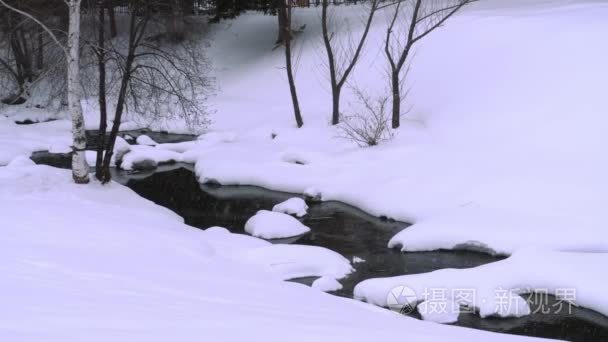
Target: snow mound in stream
{"points": [[439, 311], [272, 225], [293, 206], [144, 157], [145, 140]]}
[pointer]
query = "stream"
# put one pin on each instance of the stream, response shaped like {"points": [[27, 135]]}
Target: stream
{"points": [[341, 228]]}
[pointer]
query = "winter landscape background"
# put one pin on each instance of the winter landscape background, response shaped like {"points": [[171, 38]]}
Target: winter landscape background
{"points": [[501, 152]]}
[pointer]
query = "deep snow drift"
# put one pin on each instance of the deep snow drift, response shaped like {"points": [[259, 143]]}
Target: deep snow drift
{"points": [[99, 263]]}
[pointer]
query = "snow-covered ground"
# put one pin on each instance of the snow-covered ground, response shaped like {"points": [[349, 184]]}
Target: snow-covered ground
{"points": [[22, 140], [502, 150], [99, 263], [503, 145]]}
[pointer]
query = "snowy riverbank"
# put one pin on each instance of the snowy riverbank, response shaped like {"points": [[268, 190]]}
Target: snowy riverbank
{"points": [[100, 263]]}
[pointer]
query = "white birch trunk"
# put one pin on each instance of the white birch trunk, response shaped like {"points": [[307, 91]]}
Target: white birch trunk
{"points": [[80, 168]]}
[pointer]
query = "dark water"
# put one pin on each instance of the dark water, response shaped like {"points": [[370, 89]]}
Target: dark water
{"points": [[347, 231], [159, 137]]}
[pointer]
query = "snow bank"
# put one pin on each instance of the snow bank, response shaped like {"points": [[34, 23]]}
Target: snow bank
{"points": [[500, 232], [145, 140], [148, 157], [326, 284], [293, 206], [26, 113], [121, 147], [22, 140], [273, 225], [297, 261], [99, 263], [494, 288]]}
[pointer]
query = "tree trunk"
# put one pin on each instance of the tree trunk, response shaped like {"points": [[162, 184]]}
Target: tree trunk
{"points": [[101, 55], [122, 95], [286, 10], [335, 94], [80, 168], [331, 63], [111, 14], [396, 87], [282, 20]]}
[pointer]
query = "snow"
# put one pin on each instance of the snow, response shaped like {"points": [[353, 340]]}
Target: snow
{"points": [[99, 263], [274, 225], [326, 284], [572, 276], [142, 156], [22, 140], [298, 261], [293, 206], [29, 113], [121, 147], [20, 161], [357, 260], [439, 311], [231, 243], [145, 140], [498, 152], [481, 229], [503, 151]]}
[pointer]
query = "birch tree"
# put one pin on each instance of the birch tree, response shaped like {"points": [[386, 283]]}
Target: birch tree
{"points": [[80, 168]]}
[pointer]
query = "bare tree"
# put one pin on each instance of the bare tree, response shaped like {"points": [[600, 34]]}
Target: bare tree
{"points": [[80, 168], [420, 18], [100, 52], [156, 77], [342, 60], [368, 126], [285, 11]]}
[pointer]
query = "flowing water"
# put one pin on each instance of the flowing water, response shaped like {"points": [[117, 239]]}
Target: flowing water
{"points": [[346, 230]]}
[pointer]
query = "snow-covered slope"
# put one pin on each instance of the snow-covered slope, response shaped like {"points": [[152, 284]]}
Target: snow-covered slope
{"points": [[507, 120], [99, 263]]}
